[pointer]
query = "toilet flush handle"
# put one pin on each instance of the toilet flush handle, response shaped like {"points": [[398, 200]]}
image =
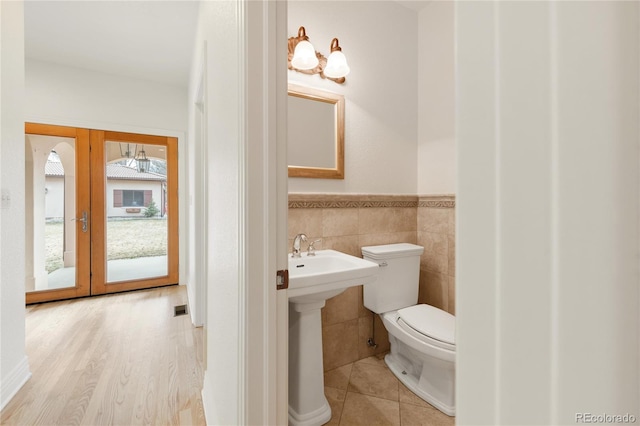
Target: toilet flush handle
{"points": [[383, 264]]}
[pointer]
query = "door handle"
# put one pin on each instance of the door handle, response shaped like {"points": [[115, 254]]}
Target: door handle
{"points": [[84, 220]]}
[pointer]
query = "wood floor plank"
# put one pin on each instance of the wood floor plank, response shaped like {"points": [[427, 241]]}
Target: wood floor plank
{"points": [[121, 359]]}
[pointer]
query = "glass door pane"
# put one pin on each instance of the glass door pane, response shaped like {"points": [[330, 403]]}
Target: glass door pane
{"points": [[136, 211], [50, 184], [57, 216], [101, 212]]}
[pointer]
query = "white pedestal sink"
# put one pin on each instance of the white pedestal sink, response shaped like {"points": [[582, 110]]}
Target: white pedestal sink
{"points": [[313, 280]]}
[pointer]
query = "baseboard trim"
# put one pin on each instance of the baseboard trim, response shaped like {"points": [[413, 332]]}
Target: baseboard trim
{"points": [[207, 399], [10, 385], [194, 308]]}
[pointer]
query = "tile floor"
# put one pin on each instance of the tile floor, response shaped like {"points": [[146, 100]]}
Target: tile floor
{"points": [[366, 392]]}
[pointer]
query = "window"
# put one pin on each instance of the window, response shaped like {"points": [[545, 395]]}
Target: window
{"points": [[131, 198]]}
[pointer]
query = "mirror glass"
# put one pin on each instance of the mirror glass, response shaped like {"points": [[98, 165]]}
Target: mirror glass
{"points": [[315, 127]]}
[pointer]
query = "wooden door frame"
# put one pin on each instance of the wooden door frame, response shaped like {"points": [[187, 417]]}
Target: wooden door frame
{"points": [[98, 205], [83, 239], [90, 246]]}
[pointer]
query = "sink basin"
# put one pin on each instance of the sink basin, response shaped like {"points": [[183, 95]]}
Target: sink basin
{"points": [[327, 274], [313, 280]]}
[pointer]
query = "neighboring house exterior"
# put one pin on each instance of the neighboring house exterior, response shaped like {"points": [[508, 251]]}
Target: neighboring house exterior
{"points": [[128, 191]]}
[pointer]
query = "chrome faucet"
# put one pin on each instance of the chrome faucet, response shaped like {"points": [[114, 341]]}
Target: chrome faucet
{"points": [[295, 251]]}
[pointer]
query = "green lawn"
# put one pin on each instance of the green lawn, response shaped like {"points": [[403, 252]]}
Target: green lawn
{"points": [[126, 239]]}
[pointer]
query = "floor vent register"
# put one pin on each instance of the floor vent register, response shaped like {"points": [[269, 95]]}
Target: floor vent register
{"points": [[179, 310]]}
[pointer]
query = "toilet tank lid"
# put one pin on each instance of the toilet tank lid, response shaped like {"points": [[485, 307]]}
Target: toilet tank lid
{"points": [[430, 321], [392, 250]]}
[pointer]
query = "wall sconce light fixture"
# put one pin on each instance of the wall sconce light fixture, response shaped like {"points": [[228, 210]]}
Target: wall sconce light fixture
{"points": [[304, 55], [304, 58]]}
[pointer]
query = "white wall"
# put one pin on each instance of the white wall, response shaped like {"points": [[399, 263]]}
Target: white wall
{"points": [[59, 95], [379, 39], [436, 99], [14, 366], [218, 25], [196, 190], [547, 280], [244, 114]]}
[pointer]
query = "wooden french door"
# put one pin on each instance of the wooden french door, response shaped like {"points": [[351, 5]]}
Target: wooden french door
{"points": [[102, 212]]}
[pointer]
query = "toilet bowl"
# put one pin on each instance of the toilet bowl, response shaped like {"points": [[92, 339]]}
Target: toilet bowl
{"points": [[422, 363], [422, 337]]}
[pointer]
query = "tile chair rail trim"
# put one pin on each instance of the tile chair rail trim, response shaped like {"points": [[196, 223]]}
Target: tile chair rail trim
{"points": [[333, 201]]}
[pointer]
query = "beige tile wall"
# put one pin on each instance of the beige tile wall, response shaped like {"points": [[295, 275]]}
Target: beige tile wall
{"points": [[347, 222], [436, 233]]}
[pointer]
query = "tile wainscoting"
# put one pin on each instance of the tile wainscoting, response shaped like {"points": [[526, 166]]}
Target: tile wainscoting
{"points": [[437, 234], [347, 222]]}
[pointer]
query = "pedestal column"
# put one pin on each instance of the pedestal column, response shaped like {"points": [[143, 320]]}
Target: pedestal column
{"points": [[307, 403]]}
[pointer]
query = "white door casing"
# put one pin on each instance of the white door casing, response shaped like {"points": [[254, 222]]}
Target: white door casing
{"points": [[547, 294]]}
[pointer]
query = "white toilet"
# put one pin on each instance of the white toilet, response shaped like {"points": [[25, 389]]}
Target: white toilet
{"points": [[422, 337]]}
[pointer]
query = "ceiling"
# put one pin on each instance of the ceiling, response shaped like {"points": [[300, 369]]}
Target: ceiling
{"points": [[416, 5], [148, 39], [151, 40]]}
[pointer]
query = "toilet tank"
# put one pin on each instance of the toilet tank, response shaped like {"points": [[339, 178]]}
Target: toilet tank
{"points": [[398, 278]]}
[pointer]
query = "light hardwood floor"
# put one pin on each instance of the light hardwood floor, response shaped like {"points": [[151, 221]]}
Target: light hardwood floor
{"points": [[121, 359]]}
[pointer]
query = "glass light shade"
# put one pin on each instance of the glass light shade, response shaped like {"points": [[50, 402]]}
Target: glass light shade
{"points": [[304, 56], [336, 65], [143, 165]]}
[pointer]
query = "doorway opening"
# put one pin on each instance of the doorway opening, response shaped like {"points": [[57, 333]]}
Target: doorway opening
{"points": [[102, 212]]}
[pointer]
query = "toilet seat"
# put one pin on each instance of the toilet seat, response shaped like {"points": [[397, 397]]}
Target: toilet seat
{"points": [[430, 324]]}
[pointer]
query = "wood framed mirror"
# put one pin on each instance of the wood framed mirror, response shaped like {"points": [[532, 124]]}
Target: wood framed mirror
{"points": [[315, 126]]}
